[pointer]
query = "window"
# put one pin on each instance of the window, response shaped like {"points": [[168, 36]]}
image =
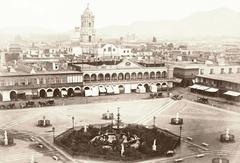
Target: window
{"points": [[104, 49], [222, 70], [230, 70], [211, 71], [109, 49], [201, 71], [89, 24], [114, 49], [123, 51], [238, 70]]}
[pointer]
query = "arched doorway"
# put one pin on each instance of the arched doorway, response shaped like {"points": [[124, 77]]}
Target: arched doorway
{"points": [[13, 96], [100, 77], [164, 86], [147, 87], [164, 74], [114, 77], [158, 87], [77, 91], [139, 75], [64, 92], [49, 93], [158, 75], [42, 93], [127, 76], [70, 92], [133, 76], [121, 88], [120, 76], [85, 91], [1, 97], [107, 77], [86, 78], [57, 93], [152, 75], [146, 75], [93, 77]]}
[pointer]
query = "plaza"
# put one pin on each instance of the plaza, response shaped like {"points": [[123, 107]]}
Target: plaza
{"points": [[202, 123]]}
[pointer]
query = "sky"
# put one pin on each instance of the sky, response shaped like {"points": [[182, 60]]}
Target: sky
{"points": [[63, 15]]}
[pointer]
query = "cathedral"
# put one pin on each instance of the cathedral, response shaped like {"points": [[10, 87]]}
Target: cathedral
{"points": [[86, 33]]}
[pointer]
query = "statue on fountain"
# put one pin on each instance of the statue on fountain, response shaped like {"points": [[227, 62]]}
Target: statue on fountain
{"points": [[177, 120]]}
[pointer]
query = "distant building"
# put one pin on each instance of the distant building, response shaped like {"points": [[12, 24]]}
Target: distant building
{"points": [[87, 31], [223, 85], [188, 72]]}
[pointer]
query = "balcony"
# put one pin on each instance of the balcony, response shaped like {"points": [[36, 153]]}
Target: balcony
{"points": [[38, 86]]}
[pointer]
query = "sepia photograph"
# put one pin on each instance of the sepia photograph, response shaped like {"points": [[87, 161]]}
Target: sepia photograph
{"points": [[119, 81]]}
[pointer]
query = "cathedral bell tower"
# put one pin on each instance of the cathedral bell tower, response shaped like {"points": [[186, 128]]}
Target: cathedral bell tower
{"points": [[87, 32]]}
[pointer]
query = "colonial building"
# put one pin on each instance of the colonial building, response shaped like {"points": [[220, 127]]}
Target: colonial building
{"points": [[124, 77], [16, 85], [87, 79]]}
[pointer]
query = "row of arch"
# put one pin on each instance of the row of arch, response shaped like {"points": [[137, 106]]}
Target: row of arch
{"points": [[61, 92], [160, 86], [124, 76]]}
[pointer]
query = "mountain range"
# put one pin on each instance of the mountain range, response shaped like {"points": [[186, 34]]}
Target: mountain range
{"points": [[221, 22], [218, 23]]}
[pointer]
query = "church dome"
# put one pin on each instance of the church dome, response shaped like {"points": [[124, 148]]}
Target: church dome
{"points": [[87, 12]]}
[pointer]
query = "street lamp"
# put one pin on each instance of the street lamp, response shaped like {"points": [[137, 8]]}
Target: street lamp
{"points": [[118, 120], [154, 120], [53, 131], [180, 134], [73, 122]]}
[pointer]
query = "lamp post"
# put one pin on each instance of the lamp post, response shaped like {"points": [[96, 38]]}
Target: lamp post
{"points": [[118, 119], [180, 134], [154, 120], [53, 131], [73, 122]]}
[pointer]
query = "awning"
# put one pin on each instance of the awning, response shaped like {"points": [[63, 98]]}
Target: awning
{"points": [[164, 86], [21, 92], [212, 90], [177, 80], [134, 86], [77, 91], [199, 87], [109, 89], [102, 89], [195, 86], [232, 93], [88, 93], [127, 88], [153, 88], [116, 89], [28, 92], [95, 91], [141, 89], [202, 88]]}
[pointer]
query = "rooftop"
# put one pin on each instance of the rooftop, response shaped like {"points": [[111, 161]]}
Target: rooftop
{"points": [[233, 78]]}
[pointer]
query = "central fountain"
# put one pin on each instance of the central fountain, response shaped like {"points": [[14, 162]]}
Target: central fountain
{"points": [[177, 120], [7, 139], [107, 116], [227, 137], [43, 122]]}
